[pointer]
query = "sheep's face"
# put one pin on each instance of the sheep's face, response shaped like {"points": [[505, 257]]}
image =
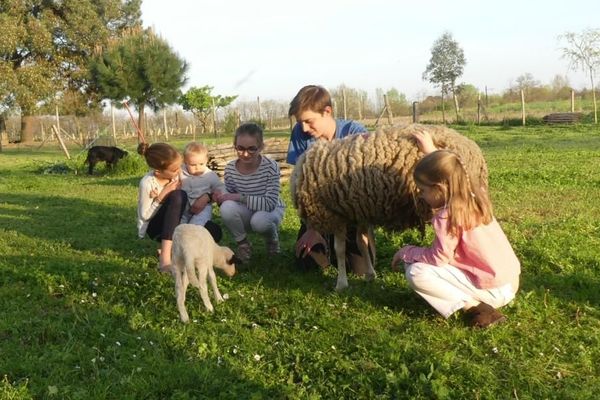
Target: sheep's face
{"points": [[226, 262]]}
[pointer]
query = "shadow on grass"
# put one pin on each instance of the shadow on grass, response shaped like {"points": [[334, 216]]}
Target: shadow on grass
{"points": [[81, 333], [82, 224]]}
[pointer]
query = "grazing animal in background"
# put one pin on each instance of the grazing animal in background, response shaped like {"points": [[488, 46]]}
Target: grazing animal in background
{"points": [[109, 154], [367, 180], [194, 254]]}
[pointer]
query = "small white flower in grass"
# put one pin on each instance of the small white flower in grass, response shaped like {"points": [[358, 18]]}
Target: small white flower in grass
{"points": [[139, 369], [344, 306], [94, 294], [82, 300], [151, 343], [93, 360], [234, 351], [219, 360], [103, 335], [332, 347], [254, 325], [559, 375], [252, 298], [195, 321], [118, 343], [139, 338], [226, 296], [101, 358], [223, 319], [257, 357], [143, 349], [495, 350], [556, 349], [61, 286], [134, 356], [315, 327], [28, 295], [541, 354]]}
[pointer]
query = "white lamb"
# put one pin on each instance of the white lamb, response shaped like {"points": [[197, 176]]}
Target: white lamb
{"points": [[194, 254]]}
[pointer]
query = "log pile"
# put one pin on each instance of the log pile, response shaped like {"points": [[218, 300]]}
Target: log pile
{"points": [[275, 148], [563, 118]]}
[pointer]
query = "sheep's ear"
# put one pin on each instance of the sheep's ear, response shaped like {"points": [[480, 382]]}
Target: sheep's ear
{"points": [[234, 260]]}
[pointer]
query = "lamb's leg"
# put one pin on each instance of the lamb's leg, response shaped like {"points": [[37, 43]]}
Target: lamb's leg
{"points": [[213, 282], [364, 238], [202, 277], [181, 284], [339, 241]]}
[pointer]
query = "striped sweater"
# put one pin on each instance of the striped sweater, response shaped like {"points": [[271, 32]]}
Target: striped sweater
{"points": [[261, 187]]}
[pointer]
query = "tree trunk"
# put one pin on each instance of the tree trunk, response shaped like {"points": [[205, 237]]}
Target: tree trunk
{"points": [[456, 109], [2, 129], [27, 128], [443, 109], [594, 96]]}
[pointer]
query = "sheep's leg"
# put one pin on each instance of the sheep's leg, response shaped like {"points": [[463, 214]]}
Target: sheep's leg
{"points": [[339, 241], [203, 275], [364, 238], [181, 284], [213, 281]]}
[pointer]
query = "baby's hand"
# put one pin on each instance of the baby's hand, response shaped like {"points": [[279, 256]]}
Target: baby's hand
{"points": [[424, 141]]}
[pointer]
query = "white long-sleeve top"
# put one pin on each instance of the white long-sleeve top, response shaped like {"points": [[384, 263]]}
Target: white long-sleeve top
{"points": [[147, 207]]}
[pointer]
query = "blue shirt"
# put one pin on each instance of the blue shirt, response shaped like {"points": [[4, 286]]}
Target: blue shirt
{"points": [[300, 141]]}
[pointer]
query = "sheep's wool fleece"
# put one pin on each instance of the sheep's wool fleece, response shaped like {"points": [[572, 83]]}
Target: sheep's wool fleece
{"points": [[367, 179]]}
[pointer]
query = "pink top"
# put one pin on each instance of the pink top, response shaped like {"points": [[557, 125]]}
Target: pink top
{"points": [[483, 253]]}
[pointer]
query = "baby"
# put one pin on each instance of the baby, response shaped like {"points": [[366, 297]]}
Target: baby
{"points": [[200, 183]]}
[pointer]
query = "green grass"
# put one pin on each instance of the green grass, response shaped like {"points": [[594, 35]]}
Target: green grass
{"points": [[85, 315]]}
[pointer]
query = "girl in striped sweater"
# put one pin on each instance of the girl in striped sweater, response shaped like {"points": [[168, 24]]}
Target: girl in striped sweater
{"points": [[252, 199]]}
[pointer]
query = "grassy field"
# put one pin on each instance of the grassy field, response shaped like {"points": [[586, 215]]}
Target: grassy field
{"points": [[85, 315]]}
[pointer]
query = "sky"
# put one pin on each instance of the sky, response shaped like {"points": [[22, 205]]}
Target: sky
{"points": [[272, 48]]}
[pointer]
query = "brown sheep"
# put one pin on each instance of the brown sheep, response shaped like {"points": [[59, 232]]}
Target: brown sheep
{"points": [[366, 180]]}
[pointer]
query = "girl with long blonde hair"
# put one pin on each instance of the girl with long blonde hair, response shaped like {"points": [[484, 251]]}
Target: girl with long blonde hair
{"points": [[470, 266]]}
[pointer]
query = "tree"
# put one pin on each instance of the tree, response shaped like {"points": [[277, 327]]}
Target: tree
{"points": [[583, 52], [141, 68], [200, 102], [398, 102], [45, 45], [445, 67]]}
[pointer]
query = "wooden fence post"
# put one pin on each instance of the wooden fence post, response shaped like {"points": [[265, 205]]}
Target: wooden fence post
{"points": [[389, 110], [344, 103], [523, 106], [165, 125], [112, 115], [572, 101], [415, 111]]}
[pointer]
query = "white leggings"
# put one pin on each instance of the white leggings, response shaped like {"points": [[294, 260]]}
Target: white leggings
{"points": [[447, 288], [239, 219]]}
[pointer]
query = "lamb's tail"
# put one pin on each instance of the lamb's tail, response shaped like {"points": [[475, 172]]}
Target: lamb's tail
{"points": [[191, 270]]}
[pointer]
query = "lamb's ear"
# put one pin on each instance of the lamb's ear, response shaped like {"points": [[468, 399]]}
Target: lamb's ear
{"points": [[234, 260]]}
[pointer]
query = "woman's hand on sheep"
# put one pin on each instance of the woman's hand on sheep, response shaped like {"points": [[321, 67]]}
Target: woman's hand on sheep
{"points": [[424, 141], [307, 241]]}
